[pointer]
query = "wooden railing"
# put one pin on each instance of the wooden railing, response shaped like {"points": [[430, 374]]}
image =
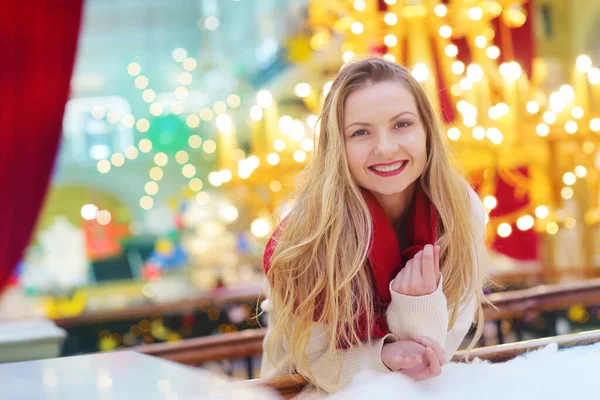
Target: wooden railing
{"points": [[291, 385]]}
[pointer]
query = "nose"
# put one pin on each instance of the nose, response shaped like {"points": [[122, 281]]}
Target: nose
{"points": [[385, 146]]}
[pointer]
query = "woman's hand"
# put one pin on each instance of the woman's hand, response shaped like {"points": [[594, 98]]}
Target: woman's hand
{"points": [[419, 359], [421, 275]]}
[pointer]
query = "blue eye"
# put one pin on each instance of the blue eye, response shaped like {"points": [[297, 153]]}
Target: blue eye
{"points": [[402, 124], [359, 133]]}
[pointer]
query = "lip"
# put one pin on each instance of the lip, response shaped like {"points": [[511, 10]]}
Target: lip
{"points": [[389, 173]]}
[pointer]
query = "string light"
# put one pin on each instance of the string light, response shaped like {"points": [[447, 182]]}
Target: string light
{"points": [[146, 202], [552, 228], [542, 212], [209, 146], [532, 107], [504, 230], [357, 28], [233, 101], [195, 142], [134, 69], [445, 31], [391, 19], [493, 52], [142, 125]]}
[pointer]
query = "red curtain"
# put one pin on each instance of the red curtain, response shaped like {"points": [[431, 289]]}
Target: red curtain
{"points": [[38, 40]]}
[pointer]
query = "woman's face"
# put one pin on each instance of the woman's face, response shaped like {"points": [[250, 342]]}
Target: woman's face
{"points": [[384, 136]]}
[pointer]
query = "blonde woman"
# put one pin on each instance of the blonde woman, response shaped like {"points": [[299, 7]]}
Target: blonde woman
{"points": [[378, 265]]}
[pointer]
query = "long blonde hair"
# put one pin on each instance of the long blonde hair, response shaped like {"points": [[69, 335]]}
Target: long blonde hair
{"points": [[320, 261]]}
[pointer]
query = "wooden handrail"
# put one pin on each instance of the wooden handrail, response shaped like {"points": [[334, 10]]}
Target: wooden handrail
{"points": [[290, 385]]}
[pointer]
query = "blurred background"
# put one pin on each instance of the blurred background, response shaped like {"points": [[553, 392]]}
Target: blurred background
{"points": [[139, 214]]}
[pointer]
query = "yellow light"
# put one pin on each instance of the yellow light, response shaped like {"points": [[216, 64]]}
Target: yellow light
{"points": [[161, 159], [98, 112], [481, 42], [466, 84], [211, 23], [131, 152], [206, 114], [589, 147], [142, 125], [209, 146], [179, 54], [220, 107], [479, 133], [89, 212], [504, 230], [595, 124], [185, 78], [570, 222], [490, 202], [146, 202], [215, 179], [357, 28], [549, 117], [117, 159], [552, 228], [192, 120], [302, 89], [307, 144], [502, 108], [113, 117], [420, 72], [134, 69], [182, 157], [495, 135], [156, 109], [594, 76], [532, 107], [567, 92], [542, 212], [445, 31], [181, 92], [453, 134], [225, 175], [525, 222], [151, 188], [128, 121], [511, 70], [195, 141], [458, 67], [238, 154], [569, 178], [440, 10], [557, 102], [456, 90], [389, 57], [103, 166], [348, 55], [188, 170], [229, 213], [189, 64], [390, 2], [256, 113], [514, 16], [279, 145], [203, 198], [299, 156], [391, 19], [148, 95], [264, 99], [224, 123], [493, 52], [359, 5], [196, 184], [566, 193], [583, 63], [156, 173], [273, 158], [580, 171], [275, 186], [390, 40], [260, 227], [451, 50], [233, 100], [475, 13], [571, 127], [103, 217], [474, 72], [177, 107], [145, 145], [577, 112], [141, 82], [542, 130]]}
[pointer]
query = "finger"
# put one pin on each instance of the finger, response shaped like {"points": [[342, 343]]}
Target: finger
{"points": [[426, 341], [415, 273], [408, 362], [435, 369], [400, 281], [436, 257], [428, 267]]}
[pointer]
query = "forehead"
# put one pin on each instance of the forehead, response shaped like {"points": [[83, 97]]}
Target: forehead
{"points": [[382, 99]]}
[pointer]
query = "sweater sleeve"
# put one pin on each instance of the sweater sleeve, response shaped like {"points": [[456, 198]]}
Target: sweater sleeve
{"points": [[413, 316], [353, 360]]}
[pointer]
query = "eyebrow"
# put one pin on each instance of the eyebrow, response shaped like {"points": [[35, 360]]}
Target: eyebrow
{"points": [[391, 119]]}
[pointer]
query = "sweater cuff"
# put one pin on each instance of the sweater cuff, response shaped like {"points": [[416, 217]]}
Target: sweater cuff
{"points": [[367, 357], [409, 317]]}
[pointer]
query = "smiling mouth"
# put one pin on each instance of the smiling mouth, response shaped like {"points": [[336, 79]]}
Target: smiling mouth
{"points": [[390, 167]]}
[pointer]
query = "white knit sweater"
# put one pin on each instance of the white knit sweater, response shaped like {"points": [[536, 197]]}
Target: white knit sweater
{"points": [[407, 317]]}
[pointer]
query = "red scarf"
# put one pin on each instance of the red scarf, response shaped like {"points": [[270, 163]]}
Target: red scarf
{"points": [[386, 258]]}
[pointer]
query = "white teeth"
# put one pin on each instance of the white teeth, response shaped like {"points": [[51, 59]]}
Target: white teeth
{"points": [[388, 168]]}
